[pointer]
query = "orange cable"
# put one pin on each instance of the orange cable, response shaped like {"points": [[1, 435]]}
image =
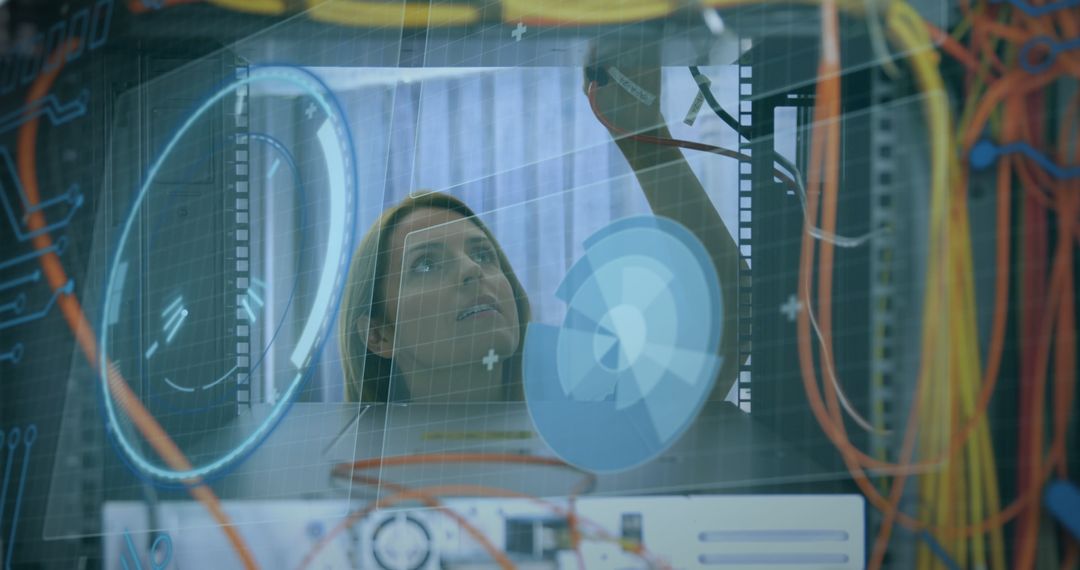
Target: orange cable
{"points": [[341, 469], [1065, 351], [980, 41], [140, 7], [1028, 530], [830, 100], [957, 50], [993, 521], [1017, 81], [1026, 554], [989, 383], [1065, 348], [1005, 31]]}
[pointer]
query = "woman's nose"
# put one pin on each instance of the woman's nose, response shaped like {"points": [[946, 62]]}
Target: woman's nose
{"points": [[470, 271]]}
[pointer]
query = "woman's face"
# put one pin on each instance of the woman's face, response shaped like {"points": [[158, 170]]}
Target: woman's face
{"points": [[447, 294]]}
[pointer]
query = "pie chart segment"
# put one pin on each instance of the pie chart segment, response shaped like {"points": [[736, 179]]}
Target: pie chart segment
{"points": [[635, 358]]}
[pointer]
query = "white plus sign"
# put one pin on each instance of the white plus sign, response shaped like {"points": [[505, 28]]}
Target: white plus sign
{"points": [[519, 31], [491, 359], [791, 308], [310, 111]]}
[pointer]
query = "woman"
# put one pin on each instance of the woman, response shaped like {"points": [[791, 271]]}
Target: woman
{"points": [[433, 310]]}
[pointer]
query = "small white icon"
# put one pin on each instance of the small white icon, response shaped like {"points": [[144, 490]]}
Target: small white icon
{"points": [[519, 31], [490, 360], [310, 111], [273, 168], [791, 308], [175, 315], [251, 296]]}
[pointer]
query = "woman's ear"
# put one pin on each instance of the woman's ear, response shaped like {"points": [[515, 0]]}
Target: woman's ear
{"points": [[376, 334]]}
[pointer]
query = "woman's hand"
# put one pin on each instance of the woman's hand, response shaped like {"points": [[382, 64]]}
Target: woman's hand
{"points": [[626, 86]]}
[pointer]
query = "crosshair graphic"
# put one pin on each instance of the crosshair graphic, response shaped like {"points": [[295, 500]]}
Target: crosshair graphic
{"points": [[635, 357], [334, 178]]}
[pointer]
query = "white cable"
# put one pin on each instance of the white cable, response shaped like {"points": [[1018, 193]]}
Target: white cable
{"points": [[814, 231], [831, 374]]}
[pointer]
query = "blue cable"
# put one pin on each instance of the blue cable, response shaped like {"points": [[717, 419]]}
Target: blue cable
{"points": [[1036, 11], [938, 550], [1053, 48], [985, 152], [1062, 499]]}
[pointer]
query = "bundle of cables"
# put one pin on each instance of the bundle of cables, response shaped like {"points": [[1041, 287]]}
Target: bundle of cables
{"points": [[960, 516], [960, 519]]}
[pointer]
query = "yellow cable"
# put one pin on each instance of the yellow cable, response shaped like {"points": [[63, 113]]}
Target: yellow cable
{"points": [[983, 483], [370, 14], [905, 28], [852, 6], [262, 7], [964, 25], [984, 464], [969, 376], [587, 12]]}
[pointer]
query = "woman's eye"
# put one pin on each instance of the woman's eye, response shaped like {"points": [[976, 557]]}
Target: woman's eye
{"points": [[484, 256], [423, 265]]}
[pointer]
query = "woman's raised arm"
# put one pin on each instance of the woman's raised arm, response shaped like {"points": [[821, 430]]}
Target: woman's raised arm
{"points": [[630, 100]]}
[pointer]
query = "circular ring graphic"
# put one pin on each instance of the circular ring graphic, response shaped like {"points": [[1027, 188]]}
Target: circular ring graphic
{"points": [[636, 355], [292, 170], [337, 150]]}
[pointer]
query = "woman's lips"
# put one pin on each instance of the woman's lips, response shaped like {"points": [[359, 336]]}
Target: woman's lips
{"points": [[478, 310]]}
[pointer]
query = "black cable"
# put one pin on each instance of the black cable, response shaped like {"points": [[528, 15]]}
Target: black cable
{"points": [[703, 82], [703, 87], [796, 176]]}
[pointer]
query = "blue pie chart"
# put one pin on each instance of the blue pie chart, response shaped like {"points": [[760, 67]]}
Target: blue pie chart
{"points": [[635, 357]]}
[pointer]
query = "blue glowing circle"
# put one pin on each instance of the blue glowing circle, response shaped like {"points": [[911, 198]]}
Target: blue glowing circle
{"points": [[338, 153], [635, 357]]}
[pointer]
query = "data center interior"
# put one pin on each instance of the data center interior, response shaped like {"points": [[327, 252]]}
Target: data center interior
{"points": [[465, 284]]}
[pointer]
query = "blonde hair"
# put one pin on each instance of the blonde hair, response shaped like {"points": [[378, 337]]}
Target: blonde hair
{"points": [[368, 375]]}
